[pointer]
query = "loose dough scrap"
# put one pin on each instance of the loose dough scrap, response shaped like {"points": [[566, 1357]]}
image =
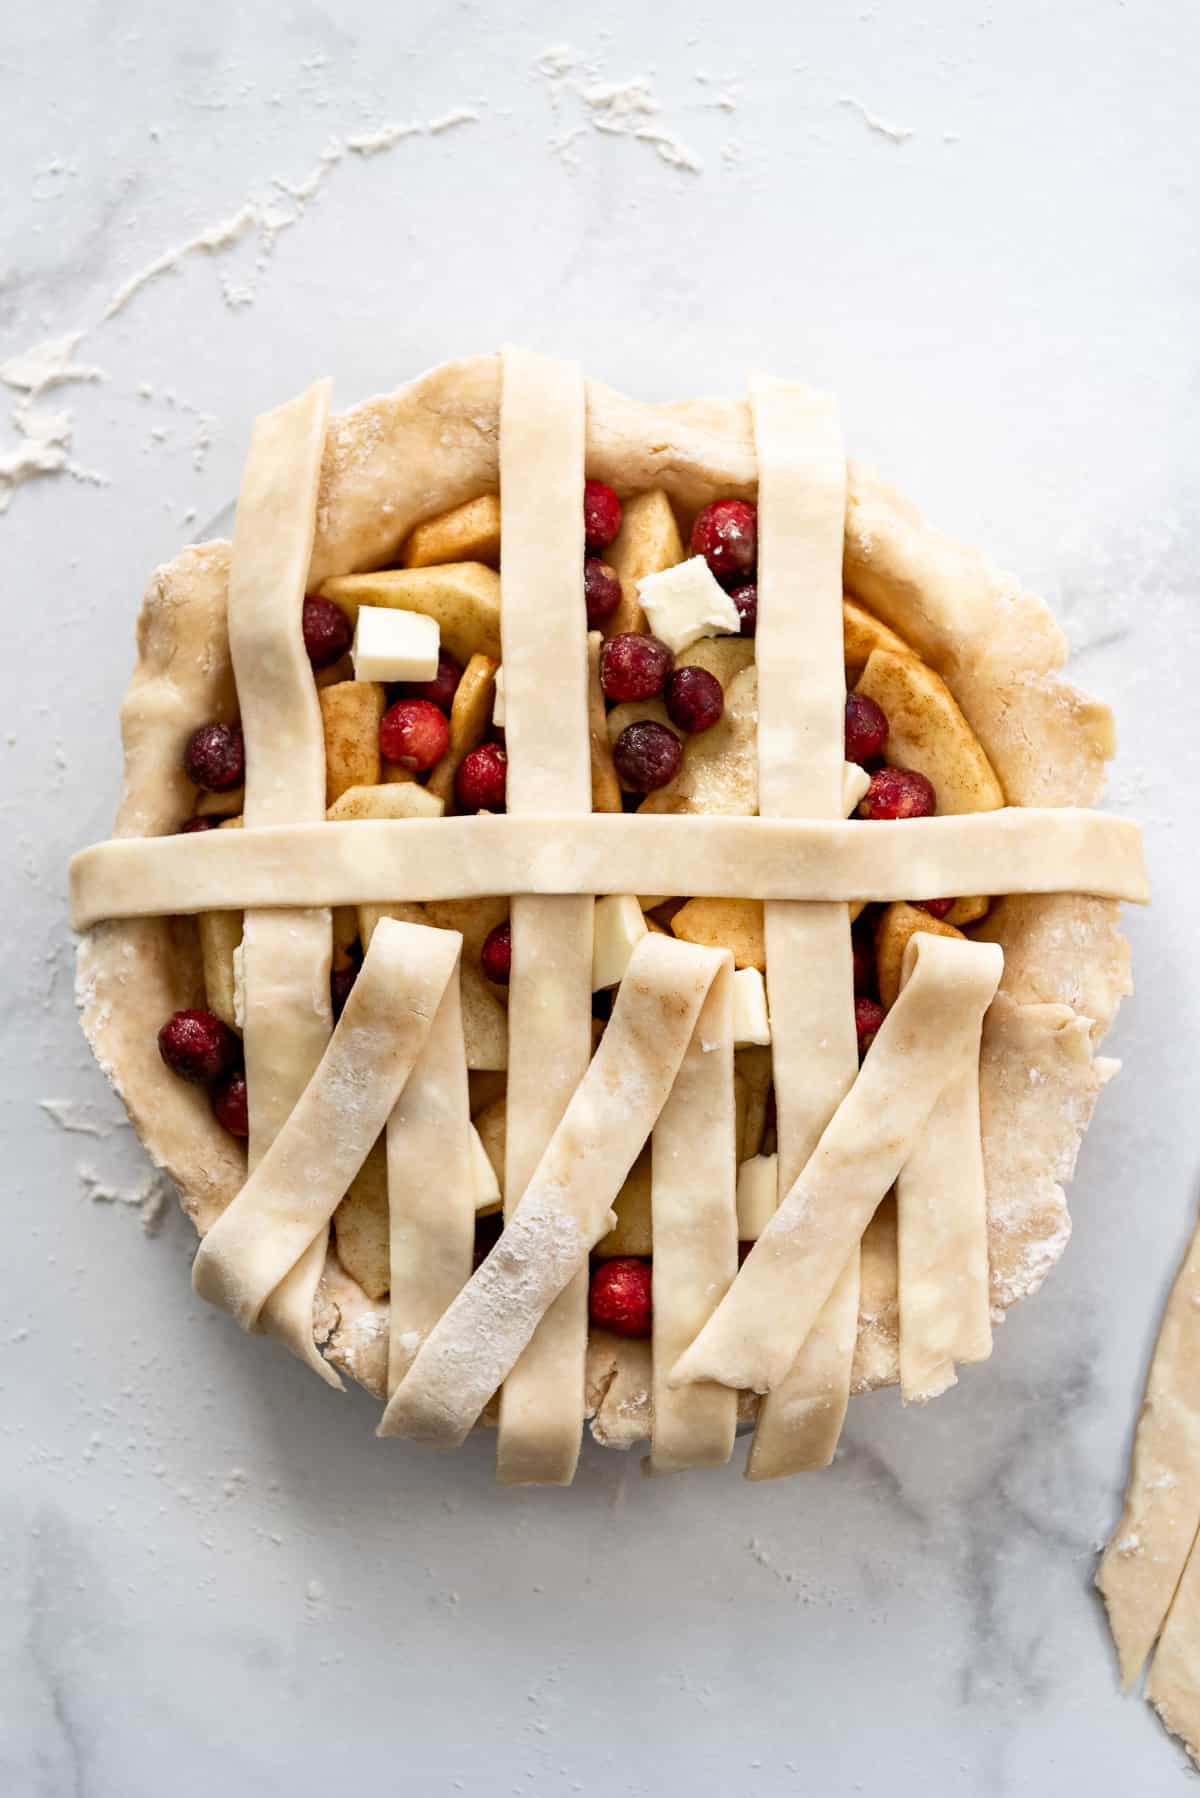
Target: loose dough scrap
{"points": [[566, 1206], [796, 1262], [285, 956], [1145, 1559], [801, 773], [543, 623], [287, 1202]]}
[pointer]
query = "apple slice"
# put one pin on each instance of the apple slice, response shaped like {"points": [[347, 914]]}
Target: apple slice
{"points": [[350, 715], [361, 1226], [490, 1123], [861, 633], [928, 734], [734, 924], [630, 1234], [606, 788], [968, 911], [724, 657], [897, 923], [719, 771], [469, 533], [647, 543], [464, 597], [470, 721], [220, 934]]}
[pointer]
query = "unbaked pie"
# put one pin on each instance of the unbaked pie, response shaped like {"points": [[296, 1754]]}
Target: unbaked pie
{"points": [[553, 993]]}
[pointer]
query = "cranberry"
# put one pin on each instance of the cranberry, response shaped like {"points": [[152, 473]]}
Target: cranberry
{"points": [[620, 1298], [937, 908], [341, 985], [746, 600], [898, 793], [601, 592], [327, 631], [194, 824], [495, 958], [866, 729], [633, 666], [868, 1016], [726, 535], [215, 757], [695, 699], [414, 734], [864, 964], [646, 756], [441, 689], [230, 1107], [480, 783], [601, 515], [198, 1046]]}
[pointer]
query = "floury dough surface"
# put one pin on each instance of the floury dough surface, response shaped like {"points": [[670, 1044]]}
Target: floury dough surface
{"points": [[243, 1572]]}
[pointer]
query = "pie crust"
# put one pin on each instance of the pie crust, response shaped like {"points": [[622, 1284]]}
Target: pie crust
{"points": [[388, 465]]}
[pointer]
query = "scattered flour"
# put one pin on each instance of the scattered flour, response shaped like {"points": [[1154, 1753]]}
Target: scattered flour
{"points": [[148, 1198], [624, 109], [78, 1119], [897, 134]]}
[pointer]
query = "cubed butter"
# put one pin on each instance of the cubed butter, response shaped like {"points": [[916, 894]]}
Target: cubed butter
{"points": [[391, 645], [855, 781], [687, 602], [487, 1187], [498, 700], [750, 1022], [619, 928], [757, 1197]]}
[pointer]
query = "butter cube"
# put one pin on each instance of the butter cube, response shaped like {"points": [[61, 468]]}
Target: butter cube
{"points": [[687, 602], [619, 928], [487, 1187], [757, 1195], [750, 1022], [391, 645]]}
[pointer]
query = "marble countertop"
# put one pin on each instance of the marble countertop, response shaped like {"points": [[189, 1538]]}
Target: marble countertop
{"points": [[977, 223]]}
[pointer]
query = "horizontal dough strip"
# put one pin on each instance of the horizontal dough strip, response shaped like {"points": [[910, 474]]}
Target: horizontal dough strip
{"points": [[374, 861]]}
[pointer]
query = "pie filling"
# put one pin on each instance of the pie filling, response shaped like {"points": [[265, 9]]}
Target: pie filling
{"points": [[542, 651]]}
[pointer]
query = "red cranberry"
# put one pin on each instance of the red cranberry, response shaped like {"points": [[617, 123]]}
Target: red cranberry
{"points": [[601, 515], [746, 600], [646, 756], [495, 958], [481, 780], [898, 793], [633, 666], [601, 592], [198, 1046], [194, 824], [341, 985], [937, 908], [441, 689], [864, 965], [726, 535], [414, 734], [620, 1296], [215, 757], [327, 631], [230, 1106], [866, 729], [695, 699], [868, 1016]]}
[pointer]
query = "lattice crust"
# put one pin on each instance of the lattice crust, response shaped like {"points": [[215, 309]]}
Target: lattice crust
{"points": [[398, 460]]}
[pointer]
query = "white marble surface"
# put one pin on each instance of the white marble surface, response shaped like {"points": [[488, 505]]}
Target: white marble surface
{"points": [[214, 1578]]}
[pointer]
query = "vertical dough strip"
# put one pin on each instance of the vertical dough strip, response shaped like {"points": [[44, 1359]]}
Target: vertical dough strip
{"points": [[544, 636]]}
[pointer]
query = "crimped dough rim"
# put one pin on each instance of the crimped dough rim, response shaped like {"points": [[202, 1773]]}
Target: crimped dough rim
{"points": [[405, 456]]}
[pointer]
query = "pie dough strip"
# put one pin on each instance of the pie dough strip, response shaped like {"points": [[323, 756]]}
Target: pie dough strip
{"points": [[566, 1207], [942, 1241], [431, 1189], [693, 1209], [801, 773], [286, 1011], [288, 1200], [758, 1329], [379, 860], [543, 625], [1144, 1560]]}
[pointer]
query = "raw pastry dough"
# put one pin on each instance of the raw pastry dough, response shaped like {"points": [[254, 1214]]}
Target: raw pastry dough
{"points": [[566, 1206], [378, 860], [290, 1197], [796, 1262], [543, 624]]}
